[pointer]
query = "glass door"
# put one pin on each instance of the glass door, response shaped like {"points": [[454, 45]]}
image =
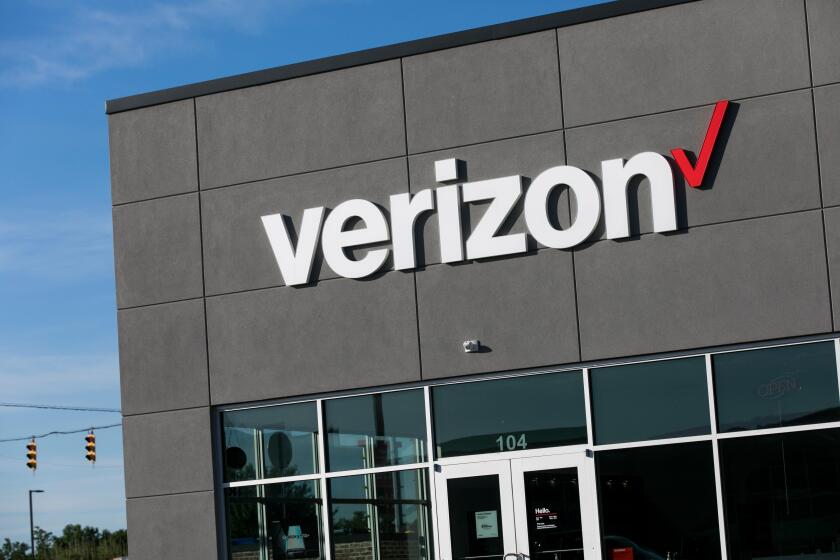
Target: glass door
{"points": [[556, 508], [542, 508]]}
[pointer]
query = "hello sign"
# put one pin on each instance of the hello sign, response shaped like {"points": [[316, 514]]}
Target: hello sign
{"points": [[371, 225]]}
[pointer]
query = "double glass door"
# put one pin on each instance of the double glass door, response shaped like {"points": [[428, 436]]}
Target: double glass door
{"points": [[542, 508]]}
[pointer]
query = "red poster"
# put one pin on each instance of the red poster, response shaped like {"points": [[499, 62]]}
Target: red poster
{"points": [[622, 553]]}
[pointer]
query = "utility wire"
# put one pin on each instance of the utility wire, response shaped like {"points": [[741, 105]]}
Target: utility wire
{"points": [[61, 433], [57, 407]]}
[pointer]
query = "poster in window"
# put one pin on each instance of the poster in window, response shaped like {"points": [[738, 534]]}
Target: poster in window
{"points": [[486, 525]]}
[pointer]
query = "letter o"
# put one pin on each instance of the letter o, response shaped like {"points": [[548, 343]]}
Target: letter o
{"points": [[588, 207]]}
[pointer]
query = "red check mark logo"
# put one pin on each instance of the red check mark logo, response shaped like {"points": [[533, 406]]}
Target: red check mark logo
{"points": [[694, 173]]}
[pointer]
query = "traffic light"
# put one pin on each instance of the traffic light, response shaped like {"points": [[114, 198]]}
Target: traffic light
{"points": [[32, 455], [90, 446]]}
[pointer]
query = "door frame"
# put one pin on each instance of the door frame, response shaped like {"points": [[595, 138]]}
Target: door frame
{"points": [[510, 468], [587, 495]]}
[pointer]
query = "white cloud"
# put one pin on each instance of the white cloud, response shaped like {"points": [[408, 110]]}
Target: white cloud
{"points": [[94, 40], [60, 246]]}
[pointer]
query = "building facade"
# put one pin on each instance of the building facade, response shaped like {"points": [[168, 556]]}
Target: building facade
{"points": [[563, 288]]}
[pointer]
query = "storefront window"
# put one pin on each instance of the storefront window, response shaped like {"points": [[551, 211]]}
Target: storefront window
{"points": [[276, 521], [509, 414], [380, 430], [652, 400], [384, 515], [658, 502], [271, 441], [782, 495], [775, 387]]}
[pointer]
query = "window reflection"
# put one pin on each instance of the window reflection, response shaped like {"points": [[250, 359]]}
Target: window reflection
{"points": [[512, 414], [380, 430], [380, 516], [774, 387], [274, 522], [658, 502], [271, 441], [782, 495], [652, 400]]}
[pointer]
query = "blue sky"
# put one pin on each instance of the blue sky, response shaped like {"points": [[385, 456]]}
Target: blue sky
{"points": [[59, 62]]}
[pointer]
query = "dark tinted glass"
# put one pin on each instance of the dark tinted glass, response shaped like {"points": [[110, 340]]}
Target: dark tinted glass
{"points": [[377, 516], [270, 441], [782, 495], [652, 400], [275, 521], [552, 500], [775, 387], [658, 502], [475, 517], [509, 414], [375, 430]]}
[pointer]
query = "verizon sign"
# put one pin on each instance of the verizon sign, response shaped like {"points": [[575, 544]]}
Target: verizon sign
{"points": [[355, 223]]}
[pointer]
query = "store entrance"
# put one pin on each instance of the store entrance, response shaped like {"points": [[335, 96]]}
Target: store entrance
{"points": [[542, 508]]}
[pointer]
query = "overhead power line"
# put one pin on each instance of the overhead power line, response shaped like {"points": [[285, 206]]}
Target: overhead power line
{"points": [[58, 407], [60, 433]]}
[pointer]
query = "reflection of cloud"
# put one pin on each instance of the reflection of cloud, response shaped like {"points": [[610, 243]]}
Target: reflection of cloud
{"points": [[93, 40], [59, 247]]}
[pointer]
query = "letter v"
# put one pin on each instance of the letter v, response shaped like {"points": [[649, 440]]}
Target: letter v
{"points": [[694, 174], [295, 265]]}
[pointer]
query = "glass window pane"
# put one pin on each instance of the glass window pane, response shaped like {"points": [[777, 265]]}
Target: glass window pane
{"points": [[782, 495], [652, 400], [384, 515], [774, 387], [475, 521], [379, 430], [276, 521], [270, 441], [526, 412], [658, 502], [552, 502]]}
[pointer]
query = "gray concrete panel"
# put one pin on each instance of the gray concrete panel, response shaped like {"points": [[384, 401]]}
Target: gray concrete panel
{"points": [[827, 105], [153, 152], [832, 239], [157, 251], [163, 357], [719, 284], [167, 452], [527, 156], [521, 309], [481, 92], [327, 120], [237, 253], [823, 23], [175, 527], [681, 56], [765, 161], [339, 334]]}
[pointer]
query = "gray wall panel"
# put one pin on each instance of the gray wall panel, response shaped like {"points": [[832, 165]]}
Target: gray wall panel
{"points": [[823, 25], [175, 527], [767, 166], [163, 357], [237, 253], [681, 56], [827, 104], [167, 452], [832, 238], [157, 251], [487, 91], [153, 152], [340, 334], [327, 120], [719, 284], [521, 309], [527, 156]]}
